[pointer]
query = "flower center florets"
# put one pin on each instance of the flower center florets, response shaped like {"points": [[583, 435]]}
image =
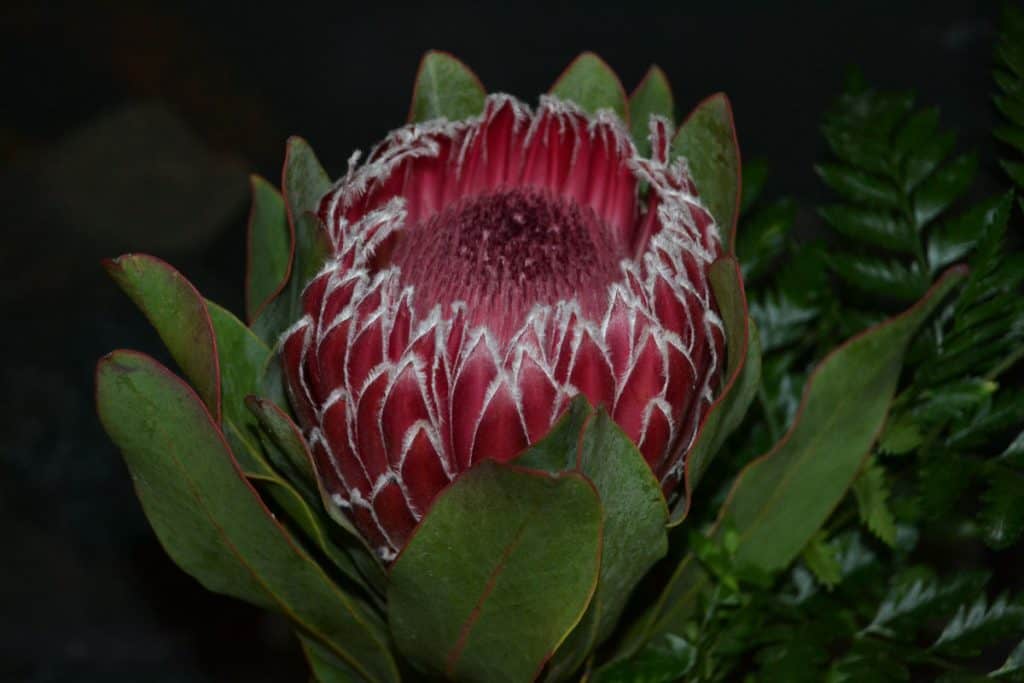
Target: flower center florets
{"points": [[505, 251]]}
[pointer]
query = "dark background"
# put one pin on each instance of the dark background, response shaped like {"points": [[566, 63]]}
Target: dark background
{"points": [[132, 126]]}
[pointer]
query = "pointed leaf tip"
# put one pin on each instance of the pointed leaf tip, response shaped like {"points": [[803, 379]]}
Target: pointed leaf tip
{"points": [[592, 84], [651, 97], [445, 88], [178, 313], [707, 138]]}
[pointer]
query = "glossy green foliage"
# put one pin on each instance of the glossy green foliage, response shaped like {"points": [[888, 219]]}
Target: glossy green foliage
{"points": [[493, 580], [1009, 98]]}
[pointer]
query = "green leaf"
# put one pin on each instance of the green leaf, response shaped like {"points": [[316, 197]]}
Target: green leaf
{"points": [[177, 311], [955, 238], [212, 522], [324, 666], [652, 97], [780, 500], [1014, 169], [269, 247], [860, 187], [937, 192], [283, 432], [822, 558], [871, 226], [707, 139], [497, 574], [445, 88], [880, 278], [1014, 662], [592, 84], [357, 560], [980, 625], [913, 601], [668, 659], [781, 321], [764, 238], [1011, 135], [741, 377], [902, 435], [872, 492], [1002, 514], [755, 176], [635, 514], [241, 358], [304, 182]]}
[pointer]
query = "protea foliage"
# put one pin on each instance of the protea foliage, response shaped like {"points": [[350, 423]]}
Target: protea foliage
{"points": [[479, 368]]}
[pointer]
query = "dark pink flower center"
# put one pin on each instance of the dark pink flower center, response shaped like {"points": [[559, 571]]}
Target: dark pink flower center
{"points": [[506, 251]]}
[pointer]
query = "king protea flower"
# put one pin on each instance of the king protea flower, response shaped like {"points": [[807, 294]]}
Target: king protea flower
{"points": [[483, 273]]}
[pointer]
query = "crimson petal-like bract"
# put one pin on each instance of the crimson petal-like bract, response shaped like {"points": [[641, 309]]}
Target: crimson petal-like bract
{"points": [[483, 273]]}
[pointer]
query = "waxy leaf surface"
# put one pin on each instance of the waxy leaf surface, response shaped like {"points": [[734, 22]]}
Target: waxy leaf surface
{"points": [[635, 514], [591, 84], [652, 97], [210, 519], [497, 574], [445, 88], [177, 312], [269, 247]]}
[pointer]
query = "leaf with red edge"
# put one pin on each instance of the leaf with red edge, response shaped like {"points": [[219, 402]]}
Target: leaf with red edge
{"points": [[652, 97], [740, 379], [445, 88], [781, 499], [212, 522], [592, 84], [305, 182], [634, 536], [707, 139], [269, 247], [177, 311], [497, 574]]}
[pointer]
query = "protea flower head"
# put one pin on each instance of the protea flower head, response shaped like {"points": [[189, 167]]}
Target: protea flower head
{"points": [[483, 273]]}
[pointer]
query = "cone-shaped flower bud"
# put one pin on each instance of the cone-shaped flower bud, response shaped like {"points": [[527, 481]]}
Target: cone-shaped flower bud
{"points": [[484, 273]]}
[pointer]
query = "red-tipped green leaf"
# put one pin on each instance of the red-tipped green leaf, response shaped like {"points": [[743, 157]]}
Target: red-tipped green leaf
{"points": [[177, 311], [305, 182], [590, 82], [210, 519], [707, 139], [497, 574], [269, 248], [652, 97], [445, 88], [635, 515], [781, 499]]}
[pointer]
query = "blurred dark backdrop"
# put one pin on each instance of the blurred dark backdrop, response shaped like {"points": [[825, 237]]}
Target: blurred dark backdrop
{"points": [[132, 125]]}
